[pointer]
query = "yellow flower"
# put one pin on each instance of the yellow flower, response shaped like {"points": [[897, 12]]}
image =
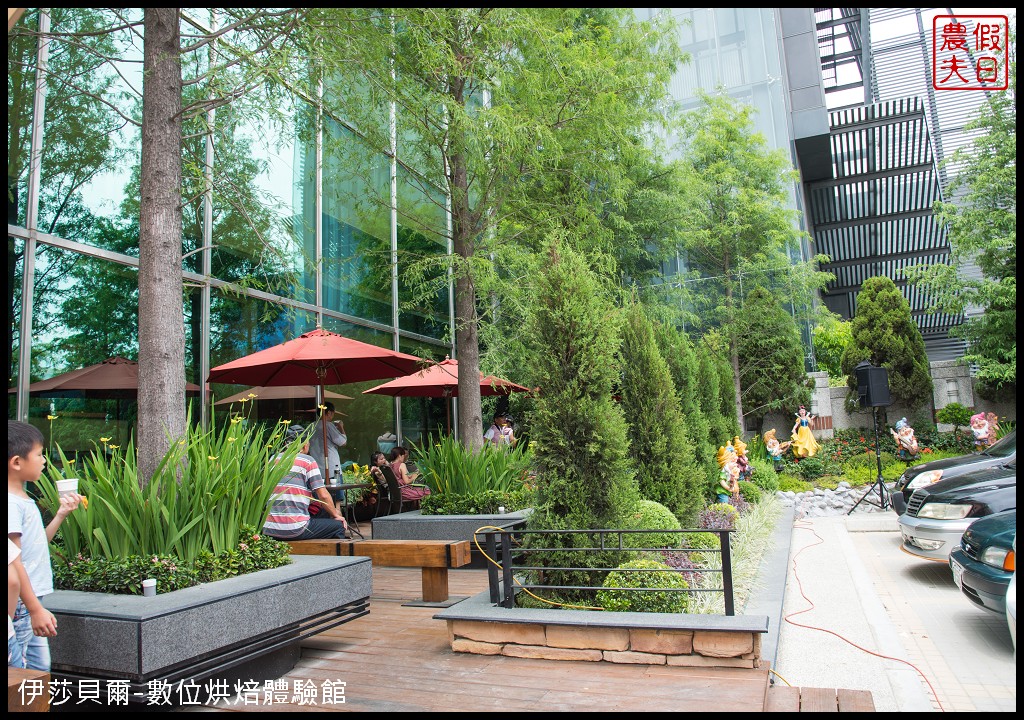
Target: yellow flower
{"points": [[236, 420], [252, 395], [211, 457], [52, 417], [113, 447], [104, 440], [244, 400], [231, 439], [285, 422], [181, 442], [322, 407]]}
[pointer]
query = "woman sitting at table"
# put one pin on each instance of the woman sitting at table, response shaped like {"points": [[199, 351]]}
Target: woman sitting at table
{"points": [[410, 492]]}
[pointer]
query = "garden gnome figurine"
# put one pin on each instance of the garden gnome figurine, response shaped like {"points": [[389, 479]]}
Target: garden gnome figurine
{"points": [[984, 428], [906, 443], [774, 448], [803, 442], [729, 477], [746, 471]]}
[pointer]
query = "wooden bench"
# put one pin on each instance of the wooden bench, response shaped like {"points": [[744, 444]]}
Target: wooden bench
{"points": [[40, 701], [433, 557]]}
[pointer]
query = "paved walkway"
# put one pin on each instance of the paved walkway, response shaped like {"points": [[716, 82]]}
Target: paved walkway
{"points": [[860, 586]]}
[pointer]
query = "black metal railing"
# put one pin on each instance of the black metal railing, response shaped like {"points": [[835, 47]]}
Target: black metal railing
{"points": [[515, 561]]}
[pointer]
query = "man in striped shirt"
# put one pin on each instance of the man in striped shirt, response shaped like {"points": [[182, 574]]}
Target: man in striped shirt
{"points": [[289, 518]]}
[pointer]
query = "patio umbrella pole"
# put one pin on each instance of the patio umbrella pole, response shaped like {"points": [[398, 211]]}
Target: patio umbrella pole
{"points": [[321, 373]]}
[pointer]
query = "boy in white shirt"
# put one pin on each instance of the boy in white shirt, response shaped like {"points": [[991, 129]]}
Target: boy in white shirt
{"points": [[25, 463]]}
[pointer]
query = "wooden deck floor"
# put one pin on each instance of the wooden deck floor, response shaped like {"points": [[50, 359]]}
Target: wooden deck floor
{"points": [[398, 659]]}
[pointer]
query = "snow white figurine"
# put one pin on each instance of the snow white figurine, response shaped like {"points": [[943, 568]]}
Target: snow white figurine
{"points": [[804, 444]]}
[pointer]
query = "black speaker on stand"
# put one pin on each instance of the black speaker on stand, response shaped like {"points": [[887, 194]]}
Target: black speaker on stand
{"points": [[873, 392]]}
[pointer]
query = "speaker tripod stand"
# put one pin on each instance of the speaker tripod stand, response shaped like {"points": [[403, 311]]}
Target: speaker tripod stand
{"points": [[884, 502]]}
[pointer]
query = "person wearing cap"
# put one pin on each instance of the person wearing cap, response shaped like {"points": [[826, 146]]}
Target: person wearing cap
{"points": [[500, 433], [289, 517], [330, 466]]}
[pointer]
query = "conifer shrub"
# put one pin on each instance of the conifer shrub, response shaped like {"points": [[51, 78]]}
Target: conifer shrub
{"points": [[583, 474], [644, 574], [650, 515]]}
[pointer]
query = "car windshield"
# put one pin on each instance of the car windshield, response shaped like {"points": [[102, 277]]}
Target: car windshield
{"points": [[1004, 447]]}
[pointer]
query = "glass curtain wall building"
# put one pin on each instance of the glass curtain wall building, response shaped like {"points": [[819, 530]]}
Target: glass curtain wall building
{"points": [[278, 237]]}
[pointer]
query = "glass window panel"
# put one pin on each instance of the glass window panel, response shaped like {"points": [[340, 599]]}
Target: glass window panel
{"points": [[356, 228], [91, 150], [85, 310], [264, 189], [21, 81], [422, 258]]}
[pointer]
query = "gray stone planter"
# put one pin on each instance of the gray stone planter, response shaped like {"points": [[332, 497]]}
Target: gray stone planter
{"points": [[205, 630], [414, 526]]}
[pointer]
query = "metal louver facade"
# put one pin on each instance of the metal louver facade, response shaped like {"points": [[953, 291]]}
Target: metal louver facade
{"points": [[874, 217]]}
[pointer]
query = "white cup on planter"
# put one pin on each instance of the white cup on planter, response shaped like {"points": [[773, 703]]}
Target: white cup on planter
{"points": [[67, 487], [149, 587]]}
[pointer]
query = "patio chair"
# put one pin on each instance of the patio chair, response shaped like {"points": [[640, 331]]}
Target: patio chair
{"points": [[389, 493]]}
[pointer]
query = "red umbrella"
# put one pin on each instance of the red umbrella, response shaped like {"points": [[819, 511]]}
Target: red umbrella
{"points": [[317, 358], [442, 381]]}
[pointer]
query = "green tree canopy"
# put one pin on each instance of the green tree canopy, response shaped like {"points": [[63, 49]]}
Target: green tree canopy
{"points": [[740, 226], [886, 335], [490, 104], [982, 221]]}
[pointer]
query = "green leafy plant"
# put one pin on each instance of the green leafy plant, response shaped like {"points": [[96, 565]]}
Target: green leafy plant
{"points": [[764, 475], [449, 467], [486, 502], [644, 574], [650, 515], [954, 414], [750, 492], [124, 575], [206, 488], [788, 483]]}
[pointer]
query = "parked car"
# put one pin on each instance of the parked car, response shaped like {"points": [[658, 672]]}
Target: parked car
{"points": [[984, 563], [938, 515], [1003, 452]]}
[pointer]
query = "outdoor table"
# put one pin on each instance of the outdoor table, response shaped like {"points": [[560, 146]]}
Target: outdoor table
{"points": [[340, 494]]}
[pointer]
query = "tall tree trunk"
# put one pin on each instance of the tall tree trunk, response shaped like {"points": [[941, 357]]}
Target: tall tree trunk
{"points": [[467, 343], [161, 318]]}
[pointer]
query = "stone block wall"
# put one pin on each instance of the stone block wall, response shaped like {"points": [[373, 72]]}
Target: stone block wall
{"points": [[594, 643]]}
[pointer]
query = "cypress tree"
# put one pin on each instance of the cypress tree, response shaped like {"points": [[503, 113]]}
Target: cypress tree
{"points": [[585, 479], [885, 334], [772, 373], [682, 362], [660, 449]]}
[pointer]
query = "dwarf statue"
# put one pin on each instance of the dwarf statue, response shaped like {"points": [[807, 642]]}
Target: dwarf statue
{"points": [[906, 443], [984, 427], [774, 448]]}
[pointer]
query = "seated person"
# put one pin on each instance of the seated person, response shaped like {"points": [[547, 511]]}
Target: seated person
{"points": [[289, 516], [410, 492]]}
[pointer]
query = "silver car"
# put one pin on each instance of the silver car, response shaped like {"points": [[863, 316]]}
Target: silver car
{"points": [[937, 515]]}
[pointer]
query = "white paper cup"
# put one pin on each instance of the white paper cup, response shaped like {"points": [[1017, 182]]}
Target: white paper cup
{"points": [[149, 587], [66, 487]]}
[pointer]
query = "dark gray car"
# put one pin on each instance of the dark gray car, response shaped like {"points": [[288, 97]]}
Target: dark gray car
{"points": [[1003, 452]]}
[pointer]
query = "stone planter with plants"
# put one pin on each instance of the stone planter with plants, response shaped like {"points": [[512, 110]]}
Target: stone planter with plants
{"points": [[225, 593]]}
